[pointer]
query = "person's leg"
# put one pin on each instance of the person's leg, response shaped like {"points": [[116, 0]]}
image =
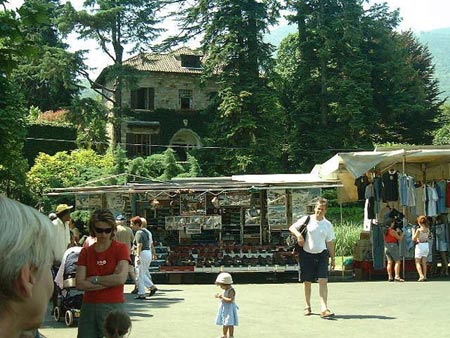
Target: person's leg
{"points": [[397, 270], [87, 323], [224, 331], [323, 294], [143, 267], [424, 267], [307, 290], [419, 268], [231, 331], [390, 269]]}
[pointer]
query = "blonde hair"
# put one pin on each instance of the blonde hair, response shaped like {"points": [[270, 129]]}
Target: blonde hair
{"points": [[26, 237]]}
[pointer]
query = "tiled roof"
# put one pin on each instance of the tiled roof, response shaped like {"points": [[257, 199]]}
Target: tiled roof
{"points": [[169, 62]]}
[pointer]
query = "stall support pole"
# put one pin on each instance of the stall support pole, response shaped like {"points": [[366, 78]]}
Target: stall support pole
{"points": [[403, 207]]}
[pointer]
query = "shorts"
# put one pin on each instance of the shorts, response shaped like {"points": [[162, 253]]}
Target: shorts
{"points": [[421, 250], [92, 318], [392, 251], [313, 266]]}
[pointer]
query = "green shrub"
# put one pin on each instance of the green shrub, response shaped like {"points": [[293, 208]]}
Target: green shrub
{"points": [[347, 234]]}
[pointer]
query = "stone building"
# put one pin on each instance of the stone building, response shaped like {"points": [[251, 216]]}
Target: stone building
{"points": [[164, 94]]}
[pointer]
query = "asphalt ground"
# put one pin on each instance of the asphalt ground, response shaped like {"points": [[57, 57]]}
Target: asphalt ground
{"points": [[363, 309]]}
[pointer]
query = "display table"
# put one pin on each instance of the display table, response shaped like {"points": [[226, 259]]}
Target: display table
{"points": [[364, 270]]}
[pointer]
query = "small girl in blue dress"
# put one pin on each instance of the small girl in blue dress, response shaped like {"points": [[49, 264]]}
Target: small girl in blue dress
{"points": [[227, 314]]}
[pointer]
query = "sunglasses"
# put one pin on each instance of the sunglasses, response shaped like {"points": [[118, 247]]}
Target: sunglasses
{"points": [[100, 230]]}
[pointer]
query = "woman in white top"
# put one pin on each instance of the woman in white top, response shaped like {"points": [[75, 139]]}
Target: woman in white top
{"points": [[318, 248]]}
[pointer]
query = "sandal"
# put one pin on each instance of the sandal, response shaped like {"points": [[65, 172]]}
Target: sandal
{"points": [[307, 311], [398, 279], [326, 314], [421, 279], [390, 279]]}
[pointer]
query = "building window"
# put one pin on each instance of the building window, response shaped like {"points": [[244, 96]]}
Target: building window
{"points": [[191, 61], [139, 144], [143, 98], [185, 99]]}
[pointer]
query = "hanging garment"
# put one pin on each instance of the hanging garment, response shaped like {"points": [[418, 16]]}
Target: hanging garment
{"points": [[432, 198], [447, 195], [441, 192], [377, 188], [377, 239], [441, 237], [390, 186], [420, 205], [361, 184], [407, 244]]}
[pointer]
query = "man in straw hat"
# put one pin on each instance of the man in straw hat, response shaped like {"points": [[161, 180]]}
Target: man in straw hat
{"points": [[61, 239]]}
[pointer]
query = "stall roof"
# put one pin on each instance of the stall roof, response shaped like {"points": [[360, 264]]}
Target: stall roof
{"points": [[422, 162], [358, 163], [237, 182]]}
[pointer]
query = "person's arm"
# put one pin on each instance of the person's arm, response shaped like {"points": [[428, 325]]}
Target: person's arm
{"points": [[228, 299], [331, 252], [119, 276], [396, 235], [138, 252], [84, 283], [415, 236], [152, 247], [293, 229]]}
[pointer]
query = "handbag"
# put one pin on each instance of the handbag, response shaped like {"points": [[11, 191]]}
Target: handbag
{"points": [[291, 240]]}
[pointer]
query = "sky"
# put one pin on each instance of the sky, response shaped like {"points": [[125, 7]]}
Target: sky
{"points": [[418, 15]]}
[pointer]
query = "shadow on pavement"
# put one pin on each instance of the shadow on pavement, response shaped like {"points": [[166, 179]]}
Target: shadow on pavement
{"points": [[362, 317]]}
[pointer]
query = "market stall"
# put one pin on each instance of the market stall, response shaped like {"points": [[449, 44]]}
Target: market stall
{"points": [[412, 181], [208, 224]]}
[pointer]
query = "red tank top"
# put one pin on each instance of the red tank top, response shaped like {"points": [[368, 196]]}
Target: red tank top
{"points": [[389, 238]]}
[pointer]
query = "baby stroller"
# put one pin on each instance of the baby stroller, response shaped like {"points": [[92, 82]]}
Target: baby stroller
{"points": [[69, 298]]}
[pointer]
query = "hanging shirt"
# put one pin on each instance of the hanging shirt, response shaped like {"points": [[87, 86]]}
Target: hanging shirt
{"points": [[361, 184], [441, 190], [390, 186], [432, 198], [420, 205]]}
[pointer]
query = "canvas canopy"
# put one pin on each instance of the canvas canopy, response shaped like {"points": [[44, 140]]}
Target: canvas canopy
{"points": [[424, 163]]}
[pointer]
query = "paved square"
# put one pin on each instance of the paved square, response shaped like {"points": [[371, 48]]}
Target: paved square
{"points": [[363, 309]]}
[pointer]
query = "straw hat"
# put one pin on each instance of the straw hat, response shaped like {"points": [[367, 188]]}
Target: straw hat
{"points": [[63, 207], [224, 278]]}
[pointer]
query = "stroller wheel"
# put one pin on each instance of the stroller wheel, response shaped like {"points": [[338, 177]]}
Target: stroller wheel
{"points": [[57, 313], [68, 318]]}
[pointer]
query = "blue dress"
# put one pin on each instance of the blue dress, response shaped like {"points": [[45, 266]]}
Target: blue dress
{"points": [[227, 313]]}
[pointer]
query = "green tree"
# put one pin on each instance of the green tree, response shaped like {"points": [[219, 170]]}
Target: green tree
{"points": [[442, 135], [67, 170], [14, 46], [47, 79], [90, 116], [347, 80], [243, 118], [114, 24], [328, 94]]}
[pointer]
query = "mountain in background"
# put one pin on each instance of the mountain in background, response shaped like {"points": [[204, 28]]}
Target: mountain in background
{"points": [[437, 41]]}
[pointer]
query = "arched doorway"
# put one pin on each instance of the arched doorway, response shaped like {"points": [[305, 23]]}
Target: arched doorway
{"points": [[183, 141]]}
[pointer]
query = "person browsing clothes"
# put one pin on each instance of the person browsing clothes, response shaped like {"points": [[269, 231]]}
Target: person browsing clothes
{"points": [[318, 249]]}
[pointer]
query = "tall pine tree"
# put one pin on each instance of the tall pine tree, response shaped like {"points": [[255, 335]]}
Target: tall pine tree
{"points": [[245, 118]]}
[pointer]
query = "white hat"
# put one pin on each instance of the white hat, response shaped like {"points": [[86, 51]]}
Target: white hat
{"points": [[224, 278]]}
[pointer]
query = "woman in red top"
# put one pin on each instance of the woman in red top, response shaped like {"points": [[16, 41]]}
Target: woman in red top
{"points": [[102, 272], [392, 251]]}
